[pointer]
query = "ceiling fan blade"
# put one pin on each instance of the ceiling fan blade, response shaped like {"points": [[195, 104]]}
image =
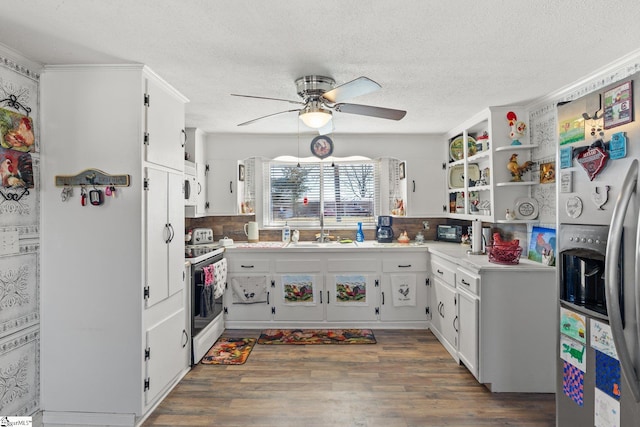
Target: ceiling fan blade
{"points": [[264, 117], [368, 110], [360, 86], [271, 99]]}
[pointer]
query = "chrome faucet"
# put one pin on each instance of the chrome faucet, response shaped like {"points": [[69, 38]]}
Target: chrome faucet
{"points": [[323, 235]]}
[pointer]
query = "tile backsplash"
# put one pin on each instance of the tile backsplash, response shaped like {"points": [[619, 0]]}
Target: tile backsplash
{"points": [[233, 227]]}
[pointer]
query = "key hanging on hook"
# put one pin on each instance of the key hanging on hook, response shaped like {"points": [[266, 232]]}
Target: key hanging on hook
{"points": [[83, 196]]}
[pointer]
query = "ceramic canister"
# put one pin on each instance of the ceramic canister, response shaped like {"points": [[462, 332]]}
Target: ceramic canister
{"points": [[251, 231]]}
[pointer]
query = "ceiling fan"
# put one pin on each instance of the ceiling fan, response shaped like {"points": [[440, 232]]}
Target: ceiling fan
{"points": [[320, 97]]}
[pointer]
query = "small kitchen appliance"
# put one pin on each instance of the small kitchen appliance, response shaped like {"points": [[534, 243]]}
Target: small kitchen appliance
{"points": [[449, 233], [384, 233]]}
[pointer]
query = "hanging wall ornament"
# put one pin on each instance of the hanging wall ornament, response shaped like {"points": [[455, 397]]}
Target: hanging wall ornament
{"points": [[593, 160]]}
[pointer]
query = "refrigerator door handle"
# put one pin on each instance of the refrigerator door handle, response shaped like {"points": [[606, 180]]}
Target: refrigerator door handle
{"points": [[612, 278]]}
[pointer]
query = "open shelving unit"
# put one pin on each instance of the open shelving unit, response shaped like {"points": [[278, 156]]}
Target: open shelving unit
{"points": [[493, 192]]}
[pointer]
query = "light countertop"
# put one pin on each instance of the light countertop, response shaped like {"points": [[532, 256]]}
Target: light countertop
{"points": [[453, 252]]}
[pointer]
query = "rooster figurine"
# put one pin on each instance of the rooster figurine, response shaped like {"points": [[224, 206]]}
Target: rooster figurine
{"points": [[516, 169]]}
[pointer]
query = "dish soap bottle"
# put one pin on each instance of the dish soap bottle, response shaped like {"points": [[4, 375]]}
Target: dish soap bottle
{"points": [[286, 233], [359, 233]]}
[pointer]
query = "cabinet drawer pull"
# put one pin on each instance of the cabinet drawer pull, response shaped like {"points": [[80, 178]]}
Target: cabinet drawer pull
{"points": [[320, 297], [268, 297], [246, 266], [383, 298], [454, 324], [440, 272], [328, 298], [404, 266], [184, 139], [464, 282], [231, 187]]}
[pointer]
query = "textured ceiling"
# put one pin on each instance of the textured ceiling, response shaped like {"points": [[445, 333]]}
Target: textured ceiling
{"points": [[442, 61]]}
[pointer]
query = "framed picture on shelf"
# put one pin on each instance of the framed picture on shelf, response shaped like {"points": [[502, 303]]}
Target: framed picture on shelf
{"points": [[401, 168], [542, 246], [547, 172], [618, 105], [240, 172]]}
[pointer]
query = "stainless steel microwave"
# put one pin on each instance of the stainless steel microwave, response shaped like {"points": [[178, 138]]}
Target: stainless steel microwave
{"points": [[449, 233]]}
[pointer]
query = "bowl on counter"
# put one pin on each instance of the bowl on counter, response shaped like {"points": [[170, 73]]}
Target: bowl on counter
{"points": [[504, 254]]}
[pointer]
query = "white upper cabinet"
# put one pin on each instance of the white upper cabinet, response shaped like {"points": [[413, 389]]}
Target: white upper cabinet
{"points": [[164, 125]]}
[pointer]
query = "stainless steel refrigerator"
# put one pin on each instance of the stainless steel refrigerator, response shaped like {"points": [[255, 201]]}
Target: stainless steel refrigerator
{"points": [[598, 259]]}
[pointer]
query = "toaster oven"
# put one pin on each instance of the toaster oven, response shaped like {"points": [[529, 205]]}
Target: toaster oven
{"points": [[449, 233]]}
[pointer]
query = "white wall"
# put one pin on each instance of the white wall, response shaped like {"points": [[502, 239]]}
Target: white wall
{"points": [[412, 148]]}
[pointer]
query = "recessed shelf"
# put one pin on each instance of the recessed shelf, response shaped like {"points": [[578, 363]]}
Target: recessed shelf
{"points": [[516, 184], [479, 155], [516, 147], [518, 221]]}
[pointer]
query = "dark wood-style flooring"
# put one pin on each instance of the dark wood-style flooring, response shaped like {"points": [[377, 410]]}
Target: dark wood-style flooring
{"points": [[406, 379]]}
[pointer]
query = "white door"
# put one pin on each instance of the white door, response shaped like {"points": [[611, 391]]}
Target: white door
{"points": [[468, 330], [446, 309], [167, 347], [404, 297], [164, 127], [157, 236], [176, 228], [351, 297], [201, 188], [298, 296], [222, 185]]}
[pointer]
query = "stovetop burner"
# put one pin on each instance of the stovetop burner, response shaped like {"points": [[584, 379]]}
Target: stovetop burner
{"points": [[193, 251]]}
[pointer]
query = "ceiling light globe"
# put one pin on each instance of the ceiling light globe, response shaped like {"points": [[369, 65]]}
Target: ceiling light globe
{"points": [[315, 119]]}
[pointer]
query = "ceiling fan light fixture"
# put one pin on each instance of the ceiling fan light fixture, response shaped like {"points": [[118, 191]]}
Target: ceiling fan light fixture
{"points": [[314, 116]]}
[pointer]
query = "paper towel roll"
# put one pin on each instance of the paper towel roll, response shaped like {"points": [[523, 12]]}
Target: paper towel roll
{"points": [[476, 236]]}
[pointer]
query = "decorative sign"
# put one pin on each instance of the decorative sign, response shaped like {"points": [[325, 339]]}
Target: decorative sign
{"points": [[618, 146], [92, 177], [566, 182], [618, 105], [571, 130], [566, 157], [593, 161]]}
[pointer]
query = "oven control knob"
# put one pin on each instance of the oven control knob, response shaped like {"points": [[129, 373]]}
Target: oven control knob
{"points": [[597, 241], [590, 240], [571, 239], [584, 240]]}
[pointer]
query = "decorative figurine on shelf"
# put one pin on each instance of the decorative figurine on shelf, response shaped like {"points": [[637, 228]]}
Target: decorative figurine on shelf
{"points": [[516, 169], [517, 128], [404, 238], [510, 215]]}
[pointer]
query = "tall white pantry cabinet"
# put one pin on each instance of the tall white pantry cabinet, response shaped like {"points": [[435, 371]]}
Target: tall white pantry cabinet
{"points": [[114, 324]]}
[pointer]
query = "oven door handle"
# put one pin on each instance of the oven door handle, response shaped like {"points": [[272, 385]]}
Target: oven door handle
{"points": [[612, 278]]}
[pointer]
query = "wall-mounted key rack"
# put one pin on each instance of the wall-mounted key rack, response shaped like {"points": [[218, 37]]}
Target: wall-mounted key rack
{"points": [[92, 177]]}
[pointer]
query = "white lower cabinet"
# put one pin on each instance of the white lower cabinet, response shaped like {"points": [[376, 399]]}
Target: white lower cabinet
{"points": [[248, 296], [352, 289], [445, 313], [340, 289], [404, 287], [298, 290], [468, 309]]}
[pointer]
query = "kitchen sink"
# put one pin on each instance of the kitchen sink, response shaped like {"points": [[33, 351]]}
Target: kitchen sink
{"points": [[315, 244]]}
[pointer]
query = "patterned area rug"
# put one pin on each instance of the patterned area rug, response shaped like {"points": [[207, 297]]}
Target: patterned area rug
{"points": [[317, 336], [229, 351]]}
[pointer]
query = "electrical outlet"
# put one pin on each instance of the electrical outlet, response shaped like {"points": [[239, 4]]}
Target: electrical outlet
{"points": [[9, 243]]}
